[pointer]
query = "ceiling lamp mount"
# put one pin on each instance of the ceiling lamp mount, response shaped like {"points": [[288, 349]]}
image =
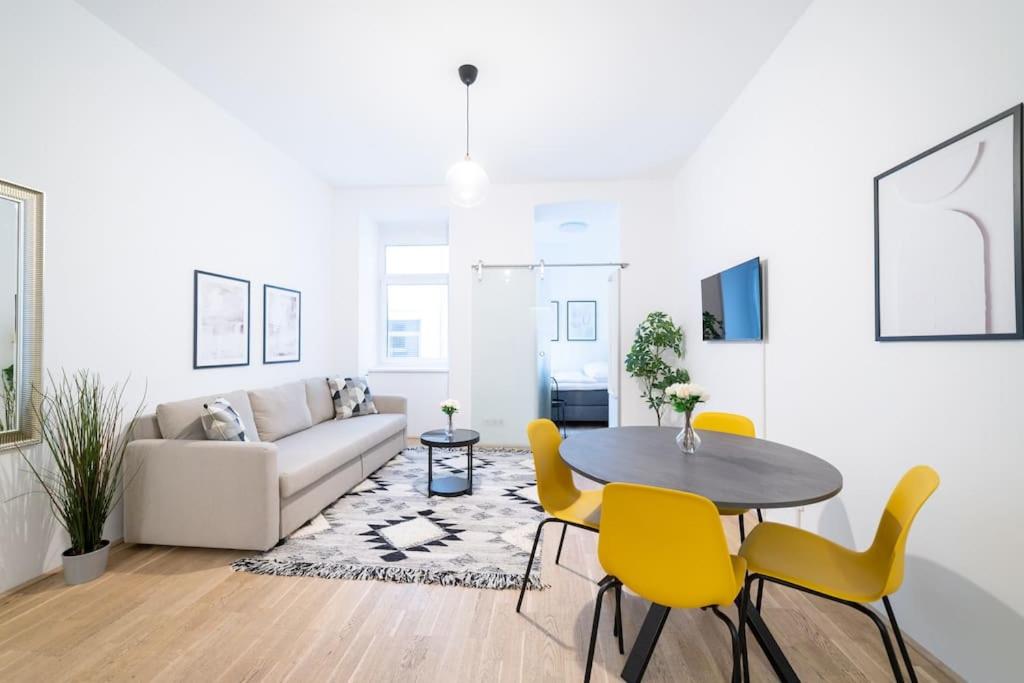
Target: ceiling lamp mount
{"points": [[467, 74], [467, 181]]}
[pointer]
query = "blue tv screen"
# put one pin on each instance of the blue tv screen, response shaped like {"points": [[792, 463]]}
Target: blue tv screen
{"points": [[731, 303]]}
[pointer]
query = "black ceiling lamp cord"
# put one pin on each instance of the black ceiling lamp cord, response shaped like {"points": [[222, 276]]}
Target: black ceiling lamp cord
{"points": [[467, 74]]}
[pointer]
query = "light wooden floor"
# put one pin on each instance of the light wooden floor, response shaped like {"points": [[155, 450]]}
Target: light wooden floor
{"points": [[183, 614]]}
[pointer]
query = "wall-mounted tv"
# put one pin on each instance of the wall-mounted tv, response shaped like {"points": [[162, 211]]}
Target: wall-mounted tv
{"points": [[731, 303]]}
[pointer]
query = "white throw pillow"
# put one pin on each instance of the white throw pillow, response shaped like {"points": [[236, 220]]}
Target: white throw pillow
{"points": [[222, 423], [596, 370]]}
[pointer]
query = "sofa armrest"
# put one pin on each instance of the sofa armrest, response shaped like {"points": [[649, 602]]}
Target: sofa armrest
{"points": [[392, 405], [212, 494]]}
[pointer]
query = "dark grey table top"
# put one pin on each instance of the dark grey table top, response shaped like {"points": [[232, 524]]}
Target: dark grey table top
{"points": [[732, 471], [439, 439]]}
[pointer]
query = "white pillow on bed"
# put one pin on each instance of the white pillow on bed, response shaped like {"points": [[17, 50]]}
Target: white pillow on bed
{"points": [[596, 370]]}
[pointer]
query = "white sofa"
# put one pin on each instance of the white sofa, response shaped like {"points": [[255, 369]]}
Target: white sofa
{"points": [[181, 489]]}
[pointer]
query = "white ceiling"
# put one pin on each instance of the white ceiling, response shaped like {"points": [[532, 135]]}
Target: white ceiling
{"points": [[367, 93]]}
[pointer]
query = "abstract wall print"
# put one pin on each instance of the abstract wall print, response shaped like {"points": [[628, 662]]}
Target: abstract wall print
{"points": [[220, 321], [948, 239], [282, 325], [581, 320]]}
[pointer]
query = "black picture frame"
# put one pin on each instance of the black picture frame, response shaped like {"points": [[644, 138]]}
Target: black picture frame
{"points": [[569, 305], [298, 357], [1017, 114], [558, 320], [196, 274]]}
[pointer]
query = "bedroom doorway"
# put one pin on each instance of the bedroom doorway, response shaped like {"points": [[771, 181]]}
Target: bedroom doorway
{"points": [[578, 351]]}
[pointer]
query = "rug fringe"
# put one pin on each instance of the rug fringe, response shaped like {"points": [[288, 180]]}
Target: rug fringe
{"points": [[443, 577]]}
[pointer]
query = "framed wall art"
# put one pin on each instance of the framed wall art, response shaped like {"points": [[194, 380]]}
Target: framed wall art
{"points": [[220, 335], [948, 239]]}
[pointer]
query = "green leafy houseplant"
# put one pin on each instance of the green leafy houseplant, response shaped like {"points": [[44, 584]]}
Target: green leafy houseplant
{"points": [[657, 346], [82, 424]]}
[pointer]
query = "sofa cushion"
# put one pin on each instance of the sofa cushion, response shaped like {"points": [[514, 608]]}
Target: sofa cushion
{"points": [[352, 397], [318, 397], [309, 455], [221, 422], [183, 419], [281, 410]]}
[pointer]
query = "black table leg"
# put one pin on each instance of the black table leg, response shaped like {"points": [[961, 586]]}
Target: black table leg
{"points": [[430, 471], [643, 647], [769, 646], [469, 455]]}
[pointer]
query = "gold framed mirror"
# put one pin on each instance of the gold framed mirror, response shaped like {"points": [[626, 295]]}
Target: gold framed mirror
{"points": [[21, 313]]}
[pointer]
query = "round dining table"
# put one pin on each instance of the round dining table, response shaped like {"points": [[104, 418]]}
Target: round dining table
{"points": [[732, 471]]}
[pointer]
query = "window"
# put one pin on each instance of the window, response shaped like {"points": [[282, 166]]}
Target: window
{"points": [[415, 303]]}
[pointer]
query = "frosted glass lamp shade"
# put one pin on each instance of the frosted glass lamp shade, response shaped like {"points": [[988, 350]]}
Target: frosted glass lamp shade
{"points": [[467, 183]]}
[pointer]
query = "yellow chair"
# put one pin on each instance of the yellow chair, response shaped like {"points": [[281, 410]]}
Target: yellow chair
{"points": [[730, 423], [559, 497], [668, 547], [800, 559]]}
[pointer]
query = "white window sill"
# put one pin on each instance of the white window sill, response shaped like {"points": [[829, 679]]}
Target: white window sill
{"points": [[399, 369]]}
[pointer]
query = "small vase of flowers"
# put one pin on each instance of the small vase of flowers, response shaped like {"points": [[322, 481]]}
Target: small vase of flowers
{"points": [[449, 408], [684, 398]]}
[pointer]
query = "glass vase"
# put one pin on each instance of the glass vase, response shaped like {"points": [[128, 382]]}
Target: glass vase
{"points": [[687, 439], [450, 431]]}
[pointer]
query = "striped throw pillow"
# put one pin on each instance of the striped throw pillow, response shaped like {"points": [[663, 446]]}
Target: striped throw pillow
{"points": [[222, 423]]}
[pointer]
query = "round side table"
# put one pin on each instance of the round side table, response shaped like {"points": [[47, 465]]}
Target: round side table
{"points": [[451, 485]]}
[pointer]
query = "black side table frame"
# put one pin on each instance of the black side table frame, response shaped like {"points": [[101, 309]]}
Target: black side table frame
{"points": [[451, 485]]}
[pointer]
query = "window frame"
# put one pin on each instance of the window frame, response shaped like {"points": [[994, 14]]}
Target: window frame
{"points": [[386, 280]]}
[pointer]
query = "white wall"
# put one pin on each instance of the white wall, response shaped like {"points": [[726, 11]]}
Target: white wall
{"points": [[145, 180], [501, 231], [424, 390], [854, 89]]}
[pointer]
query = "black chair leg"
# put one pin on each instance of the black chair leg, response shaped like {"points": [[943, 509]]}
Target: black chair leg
{"points": [[618, 617], [593, 630], [529, 564], [886, 641], [744, 606], [760, 517], [899, 640], [558, 555], [734, 639], [743, 532], [760, 594]]}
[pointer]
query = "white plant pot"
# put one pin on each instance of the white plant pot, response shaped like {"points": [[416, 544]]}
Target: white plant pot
{"points": [[84, 568]]}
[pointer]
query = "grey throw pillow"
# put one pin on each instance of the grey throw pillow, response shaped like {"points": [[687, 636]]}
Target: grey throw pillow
{"points": [[352, 397], [222, 423]]}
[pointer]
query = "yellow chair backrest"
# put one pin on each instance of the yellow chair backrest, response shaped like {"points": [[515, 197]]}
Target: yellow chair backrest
{"points": [[730, 423], [555, 486], [667, 546], [887, 551]]}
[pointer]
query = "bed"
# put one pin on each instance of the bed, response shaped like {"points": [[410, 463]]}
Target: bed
{"points": [[585, 393]]}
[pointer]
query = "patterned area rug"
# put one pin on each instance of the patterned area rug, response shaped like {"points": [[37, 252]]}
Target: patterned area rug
{"points": [[386, 529]]}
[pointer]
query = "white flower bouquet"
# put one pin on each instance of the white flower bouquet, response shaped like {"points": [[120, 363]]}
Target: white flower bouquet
{"points": [[449, 408], [685, 397]]}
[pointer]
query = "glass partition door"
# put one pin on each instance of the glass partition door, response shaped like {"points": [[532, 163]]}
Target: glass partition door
{"points": [[508, 360]]}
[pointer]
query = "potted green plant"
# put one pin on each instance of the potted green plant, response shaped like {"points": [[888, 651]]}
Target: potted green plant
{"points": [[82, 425], [657, 346]]}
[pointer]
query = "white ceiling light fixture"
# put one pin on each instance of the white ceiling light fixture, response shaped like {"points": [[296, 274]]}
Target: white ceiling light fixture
{"points": [[573, 226], [467, 180]]}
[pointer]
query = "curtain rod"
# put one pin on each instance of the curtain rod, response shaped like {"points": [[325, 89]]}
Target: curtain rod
{"points": [[541, 265]]}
